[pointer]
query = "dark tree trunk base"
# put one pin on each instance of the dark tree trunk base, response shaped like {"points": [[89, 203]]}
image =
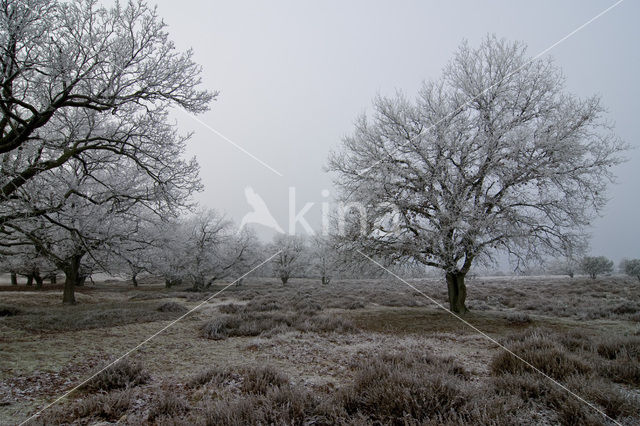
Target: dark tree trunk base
{"points": [[457, 291]]}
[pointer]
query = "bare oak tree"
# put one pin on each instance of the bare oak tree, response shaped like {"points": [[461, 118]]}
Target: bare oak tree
{"points": [[495, 155]]}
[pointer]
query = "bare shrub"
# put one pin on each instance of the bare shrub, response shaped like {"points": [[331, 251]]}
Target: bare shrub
{"points": [[9, 311], [622, 371], [264, 305], [122, 374], [325, 323], [543, 353], [626, 308], [169, 405], [231, 308], [214, 375], [172, 307], [215, 329], [613, 347], [270, 323], [244, 410], [104, 406], [258, 380], [615, 402], [551, 361], [386, 394], [518, 318]]}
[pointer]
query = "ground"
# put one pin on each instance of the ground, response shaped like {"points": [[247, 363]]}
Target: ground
{"points": [[354, 351]]}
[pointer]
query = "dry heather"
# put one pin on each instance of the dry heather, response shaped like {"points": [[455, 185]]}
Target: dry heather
{"points": [[353, 352]]}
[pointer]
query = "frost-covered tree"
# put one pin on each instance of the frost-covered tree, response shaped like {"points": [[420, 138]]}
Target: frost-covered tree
{"points": [[632, 268], [322, 258], [80, 80], [291, 258], [596, 265], [493, 156], [105, 200], [201, 249], [19, 257]]}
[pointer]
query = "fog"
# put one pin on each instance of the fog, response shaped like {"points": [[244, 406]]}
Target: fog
{"points": [[293, 76]]}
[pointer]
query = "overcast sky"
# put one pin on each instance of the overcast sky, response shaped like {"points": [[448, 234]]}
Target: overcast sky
{"points": [[293, 76]]}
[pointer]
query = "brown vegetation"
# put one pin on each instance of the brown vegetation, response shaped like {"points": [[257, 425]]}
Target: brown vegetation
{"points": [[353, 352]]}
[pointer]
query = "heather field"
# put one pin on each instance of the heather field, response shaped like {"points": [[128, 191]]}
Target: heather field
{"points": [[351, 352]]}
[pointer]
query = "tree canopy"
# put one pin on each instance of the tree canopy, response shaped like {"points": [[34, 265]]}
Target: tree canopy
{"points": [[493, 156]]}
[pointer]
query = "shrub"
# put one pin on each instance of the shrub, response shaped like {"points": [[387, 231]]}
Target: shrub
{"points": [[540, 351], [258, 380], [622, 371], [626, 308], [215, 375], [215, 329], [122, 374], [325, 323], [264, 305], [105, 406], [231, 308], [257, 323], [168, 404], [8, 311], [619, 347], [172, 307], [518, 318], [388, 394]]}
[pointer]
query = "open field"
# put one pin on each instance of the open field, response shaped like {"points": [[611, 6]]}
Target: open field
{"points": [[352, 352]]}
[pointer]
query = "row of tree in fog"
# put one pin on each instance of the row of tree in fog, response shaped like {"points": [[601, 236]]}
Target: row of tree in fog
{"points": [[88, 156], [493, 157]]}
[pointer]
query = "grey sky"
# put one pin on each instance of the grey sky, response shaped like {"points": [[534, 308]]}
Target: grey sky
{"points": [[294, 75]]}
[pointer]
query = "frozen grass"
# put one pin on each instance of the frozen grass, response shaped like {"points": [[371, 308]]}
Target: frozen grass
{"points": [[270, 323], [88, 316], [123, 374], [353, 352]]}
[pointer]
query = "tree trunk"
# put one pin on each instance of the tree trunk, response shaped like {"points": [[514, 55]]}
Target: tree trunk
{"points": [[29, 280], [72, 278], [38, 279], [284, 280], [81, 280], [134, 280], [53, 279], [14, 278], [457, 292]]}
